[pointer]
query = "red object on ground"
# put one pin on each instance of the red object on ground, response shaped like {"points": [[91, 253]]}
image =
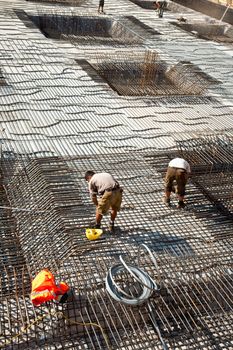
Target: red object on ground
{"points": [[45, 289]]}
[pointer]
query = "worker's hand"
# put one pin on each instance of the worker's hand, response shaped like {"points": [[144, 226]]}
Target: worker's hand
{"points": [[94, 200]]}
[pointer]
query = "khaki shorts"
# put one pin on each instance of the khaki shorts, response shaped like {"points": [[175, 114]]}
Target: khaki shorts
{"points": [[111, 199], [181, 177]]}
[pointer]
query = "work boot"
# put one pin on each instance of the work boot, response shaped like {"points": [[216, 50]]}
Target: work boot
{"points": [[167, 201], [95, 225], [181, 205], [111, 226]]}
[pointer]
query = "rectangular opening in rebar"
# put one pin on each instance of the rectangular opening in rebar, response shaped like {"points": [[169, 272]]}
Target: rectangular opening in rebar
{"points": [[216, 32], [146, 74], [85, 29]]}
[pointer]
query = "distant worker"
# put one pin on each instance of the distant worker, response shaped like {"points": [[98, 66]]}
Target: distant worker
{"points": [[101, 6], [160, 5], [110, 193], [178, 170]]}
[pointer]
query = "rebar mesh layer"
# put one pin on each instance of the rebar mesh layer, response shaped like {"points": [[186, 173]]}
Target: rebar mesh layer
{"points": [[48, 203]]}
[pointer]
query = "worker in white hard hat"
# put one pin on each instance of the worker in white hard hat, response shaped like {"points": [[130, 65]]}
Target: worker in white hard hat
{"points": [[109, 192], [178, 170]]}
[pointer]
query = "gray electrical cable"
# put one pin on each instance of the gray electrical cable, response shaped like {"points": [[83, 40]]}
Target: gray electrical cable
{"points": [[144, 246], [138, 274], [146, 282], [119, 295]]}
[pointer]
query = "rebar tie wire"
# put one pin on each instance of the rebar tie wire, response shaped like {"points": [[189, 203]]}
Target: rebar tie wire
{"points": [[61, 314], [144, 280]]}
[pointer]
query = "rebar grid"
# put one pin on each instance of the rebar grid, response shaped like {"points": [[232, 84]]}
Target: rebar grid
{"points": [[66, 193], [182, 302], [211, 158], [148, 74], [202, 231], [215, 152], [128, 74], [64, 2], [48, 200], [2, 79], [185, 308], [38, 203], [85, 29], [215, 32]]}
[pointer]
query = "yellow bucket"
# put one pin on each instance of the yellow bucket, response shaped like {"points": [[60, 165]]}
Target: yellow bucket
{"points": [[93, 233]]}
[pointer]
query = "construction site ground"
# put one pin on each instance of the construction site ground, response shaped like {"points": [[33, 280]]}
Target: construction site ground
{"points": [[122, 92]]}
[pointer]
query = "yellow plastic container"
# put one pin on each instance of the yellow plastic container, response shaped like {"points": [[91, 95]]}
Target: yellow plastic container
{"points": [[93, 233]]}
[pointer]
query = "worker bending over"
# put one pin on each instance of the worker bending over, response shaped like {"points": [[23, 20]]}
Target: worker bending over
{"points": [[178, 170], [110, 193]]}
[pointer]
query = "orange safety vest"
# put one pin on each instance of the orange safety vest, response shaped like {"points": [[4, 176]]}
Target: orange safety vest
{"points": [[44, 288]]}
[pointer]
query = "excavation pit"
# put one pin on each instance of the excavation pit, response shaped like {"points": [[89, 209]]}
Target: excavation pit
{"points": [[148, 75], [85, 29], [216, 32]]}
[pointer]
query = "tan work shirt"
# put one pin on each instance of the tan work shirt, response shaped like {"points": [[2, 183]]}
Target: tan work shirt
{"points": [[101, 182]]}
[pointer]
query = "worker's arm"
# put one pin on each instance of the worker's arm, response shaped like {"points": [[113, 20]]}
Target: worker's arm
{"points": [[94, 199], [93, 192]]}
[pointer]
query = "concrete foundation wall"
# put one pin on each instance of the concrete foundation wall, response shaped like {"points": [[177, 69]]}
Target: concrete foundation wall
{"points": [[209, 8]]}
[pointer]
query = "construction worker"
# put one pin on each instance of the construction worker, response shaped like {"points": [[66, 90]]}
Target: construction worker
{"points": [[110, 193], [160, 5], [101, 7], [178, 170]]}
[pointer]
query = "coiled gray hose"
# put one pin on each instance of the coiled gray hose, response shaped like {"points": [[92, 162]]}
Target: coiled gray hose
{"points": [[145, 281], [148, 285], [119, 295]]}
